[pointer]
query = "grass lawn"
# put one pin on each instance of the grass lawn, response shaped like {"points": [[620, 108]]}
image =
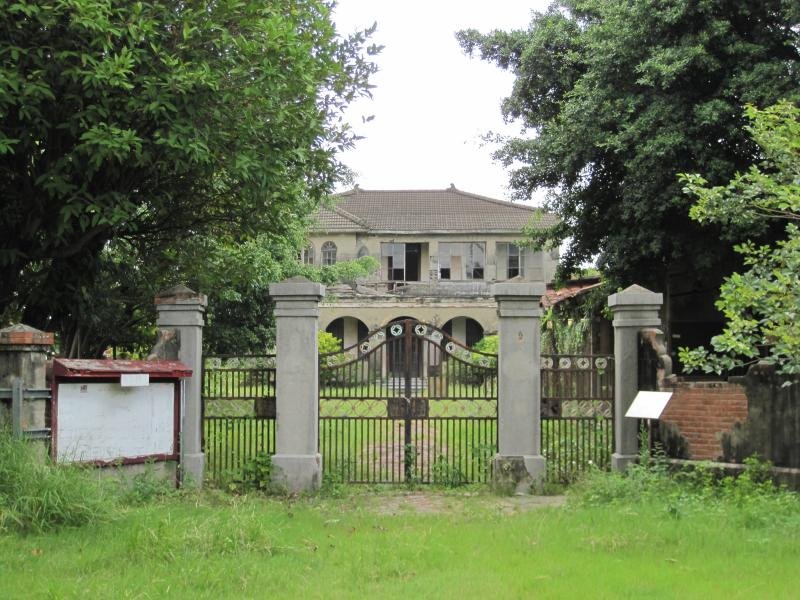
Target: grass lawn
{"points": [[387, 544]]}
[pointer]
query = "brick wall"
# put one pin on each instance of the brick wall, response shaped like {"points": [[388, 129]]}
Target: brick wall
{"points": [[701, 411]]}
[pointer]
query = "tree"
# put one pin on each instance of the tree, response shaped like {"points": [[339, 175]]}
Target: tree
{"points": [[762, 304], [140, 125], [621, 96]]}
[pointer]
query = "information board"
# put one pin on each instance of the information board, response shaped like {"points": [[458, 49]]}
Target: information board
{"points": [[107, 422]]}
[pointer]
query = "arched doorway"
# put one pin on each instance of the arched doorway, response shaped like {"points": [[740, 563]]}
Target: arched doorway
{"points": [[464, 329], [348, 329]]}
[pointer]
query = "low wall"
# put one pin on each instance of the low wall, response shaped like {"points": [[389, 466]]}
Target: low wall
{"points": [[699, 415], [758, 413]]}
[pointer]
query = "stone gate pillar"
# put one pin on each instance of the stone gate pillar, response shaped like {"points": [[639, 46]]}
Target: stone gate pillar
{"points": [[519, 462], [634, 308], [297, 464], [23, 357], [181, 310]]}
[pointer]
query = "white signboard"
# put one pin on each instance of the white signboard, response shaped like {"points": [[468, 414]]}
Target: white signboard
{"points": [[105, 422], [648, 405], [134, 379]]}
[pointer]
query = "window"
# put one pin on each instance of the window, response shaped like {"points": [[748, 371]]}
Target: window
{"points": [[395, 255], [476, 257], [514, 261], [510, 261], [328, 253], [308, 254], [461, 260]]}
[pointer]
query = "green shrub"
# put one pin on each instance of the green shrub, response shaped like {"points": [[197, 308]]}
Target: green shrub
{"points": [[37, 495], [145, 487], [257, 473]]}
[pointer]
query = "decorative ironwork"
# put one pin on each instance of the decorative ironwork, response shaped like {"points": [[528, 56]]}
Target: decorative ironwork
{"points": [[577, 413], [413, 406], [238, 394]]}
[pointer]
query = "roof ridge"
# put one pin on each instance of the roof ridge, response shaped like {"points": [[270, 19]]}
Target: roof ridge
{"points": [[351, 217], [509, 203]]}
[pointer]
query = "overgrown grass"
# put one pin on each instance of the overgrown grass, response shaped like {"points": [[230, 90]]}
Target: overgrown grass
{"points": [[371, 543], [36, 495]]}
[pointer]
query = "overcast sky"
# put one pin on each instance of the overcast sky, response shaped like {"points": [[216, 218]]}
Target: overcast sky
{"points": [[431, 102]]}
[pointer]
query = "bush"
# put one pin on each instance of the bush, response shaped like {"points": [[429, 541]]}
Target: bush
{"points": [[751, 498], [37, 495]]}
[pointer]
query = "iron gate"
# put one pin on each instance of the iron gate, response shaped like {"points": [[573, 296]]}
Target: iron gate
{"points": [[408, 403], [238, 394], [577, 413]]}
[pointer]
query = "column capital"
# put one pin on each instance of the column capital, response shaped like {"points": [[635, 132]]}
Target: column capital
{"points": [[179, 307], [182, 297], [636, 306], [297, 289], [519, 290], [23, 337], [519, 299]]}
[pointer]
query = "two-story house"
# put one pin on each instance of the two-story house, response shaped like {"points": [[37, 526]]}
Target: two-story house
{"points": [[439, 253]]}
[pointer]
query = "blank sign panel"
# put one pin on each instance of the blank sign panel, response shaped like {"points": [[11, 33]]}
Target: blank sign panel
{"points": [[106, 422]]}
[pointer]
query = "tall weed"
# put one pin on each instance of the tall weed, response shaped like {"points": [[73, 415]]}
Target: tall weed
{"points": [[37, 495], [751, 498]]}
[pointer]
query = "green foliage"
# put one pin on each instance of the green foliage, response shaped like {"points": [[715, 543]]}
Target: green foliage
{"points": [[257, 473], [751, 497], [762, 304], [154, 126], [620, 97], [145, 487], [341, 272], [447, 475], [328, 343], [562, 334], [37, 496]]}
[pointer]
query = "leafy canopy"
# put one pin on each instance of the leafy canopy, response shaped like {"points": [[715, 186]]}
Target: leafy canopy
{"points": [[616, 98], [149, 123], [761, 304]]}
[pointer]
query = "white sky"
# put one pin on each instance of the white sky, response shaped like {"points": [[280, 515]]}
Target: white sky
{"points": [[431, 102]]}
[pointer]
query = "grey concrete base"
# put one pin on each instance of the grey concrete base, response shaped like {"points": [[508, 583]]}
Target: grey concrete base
{"points": [[620, 462], [192, 469], [518, 474], [295, 473], [163, 471]]}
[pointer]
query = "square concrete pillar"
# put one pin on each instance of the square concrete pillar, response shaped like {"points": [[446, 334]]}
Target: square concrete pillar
{"points": [[182, 310], [519, 463], [634, 308], [297, 464], [23, 357]]}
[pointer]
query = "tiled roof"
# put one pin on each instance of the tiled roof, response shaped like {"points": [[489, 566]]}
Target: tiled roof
{"points": [[427, 211], [336, 219]]}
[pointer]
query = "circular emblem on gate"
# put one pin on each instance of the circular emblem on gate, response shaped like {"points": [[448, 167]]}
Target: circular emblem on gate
{"points": [[450, 347], [583, 362], [547, 363], [379, 337], [436, 336], [331, 361], [365, 347], [396, 329], [600, 363], [483, 361], [564, 362], [420, 329]]}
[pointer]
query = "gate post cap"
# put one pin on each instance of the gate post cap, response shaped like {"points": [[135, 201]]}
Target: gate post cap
{"points": [[519, 289], [180, 294], [24, 335], [635, 296], [296, 286]]}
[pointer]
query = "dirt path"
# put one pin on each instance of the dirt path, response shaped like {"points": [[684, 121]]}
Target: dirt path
{"points": [[433, 502]]}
